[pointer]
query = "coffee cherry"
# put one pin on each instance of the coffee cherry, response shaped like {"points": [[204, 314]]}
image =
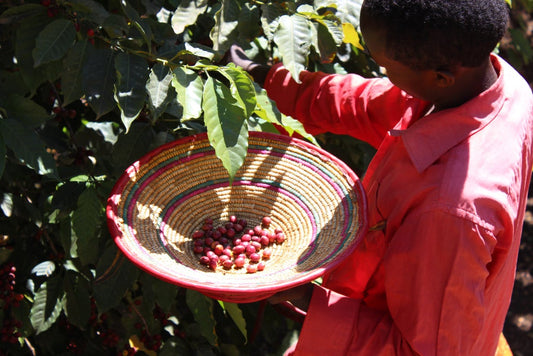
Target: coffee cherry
{"points": [[255, 257], [266, 221], [237, 250], [261, 266], [227, 264], [267, 253], [240, 262]]}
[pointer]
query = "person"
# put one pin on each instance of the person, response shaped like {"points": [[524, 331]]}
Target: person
{"points": [[452, 123]]}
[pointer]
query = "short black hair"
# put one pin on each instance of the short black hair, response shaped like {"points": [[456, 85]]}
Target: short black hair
{"points": [[438, 34]]}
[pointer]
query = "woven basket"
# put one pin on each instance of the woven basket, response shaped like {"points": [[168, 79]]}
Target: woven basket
{"points": [[164, 197]]}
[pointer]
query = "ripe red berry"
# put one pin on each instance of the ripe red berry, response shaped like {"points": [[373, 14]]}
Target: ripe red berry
{"points": [[258, 230], [251, 268], [267, 253], [237, 250], [265, 241], [255, 257], [261, 266], [266, 221], [198, 233], [250, 249], [240, 262]]}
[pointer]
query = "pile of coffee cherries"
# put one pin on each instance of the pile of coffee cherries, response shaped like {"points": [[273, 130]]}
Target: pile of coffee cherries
{"points": [[232, 245]]}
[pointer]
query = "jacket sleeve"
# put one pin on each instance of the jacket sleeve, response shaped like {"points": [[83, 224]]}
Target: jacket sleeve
{"points": [[435, 273], [341, 104]]}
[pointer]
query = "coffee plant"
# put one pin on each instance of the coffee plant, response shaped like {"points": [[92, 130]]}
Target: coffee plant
{"points": [[89, 86]]}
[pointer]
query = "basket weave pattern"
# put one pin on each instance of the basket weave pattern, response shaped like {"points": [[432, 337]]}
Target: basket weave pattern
{"points": [[163, 198]]}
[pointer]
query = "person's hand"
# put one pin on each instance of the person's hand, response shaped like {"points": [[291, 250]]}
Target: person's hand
{"points": [[299, 296], [237, 56]]}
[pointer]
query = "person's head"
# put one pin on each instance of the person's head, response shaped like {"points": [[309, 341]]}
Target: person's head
{"points": [[442, 36]]}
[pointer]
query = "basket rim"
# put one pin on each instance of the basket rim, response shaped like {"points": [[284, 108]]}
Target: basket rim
{"points": [[246, 292]]}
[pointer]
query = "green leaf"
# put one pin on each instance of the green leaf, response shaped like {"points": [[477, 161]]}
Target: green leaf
{"points": [[270, 15], [3, 153], [139, 23], [11, 83], [86, 220], [130, 89], [44, 269], [242, 88], [6, 204], [78, 303], [47, 305], [68, 237], [28, 147], [19, 12], [24, 110], [522, 45], [91, 10], [186, 14], [335, 29], [72, 77], [114, 276], [325, 43], [268, 111], [115, 25], [226, 125], [224, 32], [202, 310], [293, 38], [249, 23], [236, 315], [159, 89], [25, 38], [99, 80], [348, 11], [54, 41], [200, 50], [161, 292], [132, 146], [189, 89]]}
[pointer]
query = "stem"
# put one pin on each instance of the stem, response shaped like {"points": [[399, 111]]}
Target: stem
{"points": [[30, 346], [139, 314], [50, 242]]}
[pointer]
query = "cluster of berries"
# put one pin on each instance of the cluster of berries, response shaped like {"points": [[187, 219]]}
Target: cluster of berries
{"points": [[7, 286], [231, 245], [9, 331]]}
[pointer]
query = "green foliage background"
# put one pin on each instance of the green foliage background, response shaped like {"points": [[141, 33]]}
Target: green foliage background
{"points": [[89, 86]]}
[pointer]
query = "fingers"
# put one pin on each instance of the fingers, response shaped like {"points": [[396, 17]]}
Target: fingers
{"points": [[299, 296]]}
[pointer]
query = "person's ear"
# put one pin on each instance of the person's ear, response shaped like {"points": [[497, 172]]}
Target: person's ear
{"points": [[444, 78]]}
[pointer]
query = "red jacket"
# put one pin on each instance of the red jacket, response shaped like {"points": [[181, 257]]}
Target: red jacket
{"points": [[446, 194]]}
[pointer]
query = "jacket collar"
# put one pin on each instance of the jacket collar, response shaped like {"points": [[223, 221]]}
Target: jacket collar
{"points": [[430, 137]]}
